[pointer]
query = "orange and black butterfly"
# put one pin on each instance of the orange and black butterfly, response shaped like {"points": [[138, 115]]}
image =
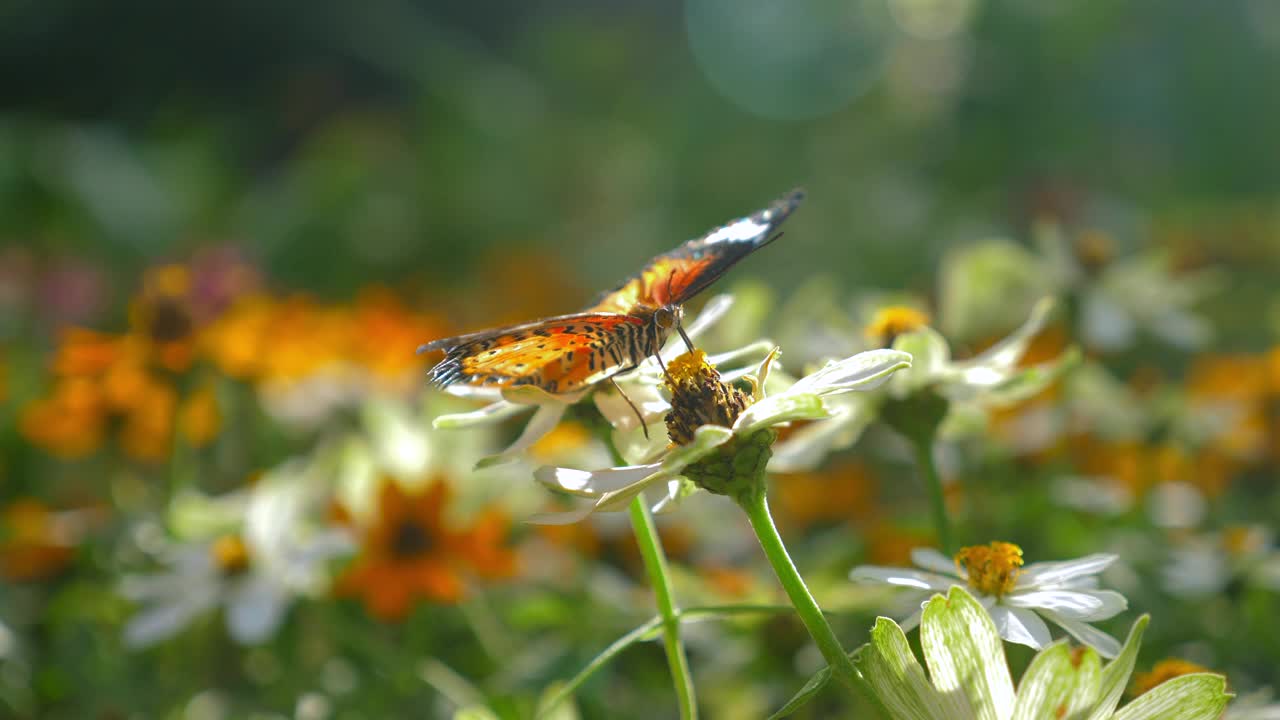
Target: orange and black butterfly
{"points": [[568, 353]]}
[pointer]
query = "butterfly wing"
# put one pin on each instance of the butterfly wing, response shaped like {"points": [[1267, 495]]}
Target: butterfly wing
{"points": [[559, 354], [676, 276]]}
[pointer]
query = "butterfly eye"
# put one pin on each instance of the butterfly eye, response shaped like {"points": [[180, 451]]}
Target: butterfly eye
{"points": [[664, 318]]}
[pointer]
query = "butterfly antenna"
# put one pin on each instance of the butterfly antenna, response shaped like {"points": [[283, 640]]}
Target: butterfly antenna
{"points": [[770, 240], [634, 409]]}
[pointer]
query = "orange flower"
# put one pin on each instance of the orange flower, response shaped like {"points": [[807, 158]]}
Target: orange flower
{"points": [[200, 418], [32, 545], [386, 335], [162, 314], [891, 545], [846, 491], [410, 553], [70, 422]]}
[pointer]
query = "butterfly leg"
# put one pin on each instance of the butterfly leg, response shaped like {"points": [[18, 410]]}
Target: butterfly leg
{"points": [[634, 409]]}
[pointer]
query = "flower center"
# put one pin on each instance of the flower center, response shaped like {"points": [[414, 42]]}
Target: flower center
{"points": [[230, 555], [890, 322], [1240, 540], [992, 569], [410, 540], [699, 397]]}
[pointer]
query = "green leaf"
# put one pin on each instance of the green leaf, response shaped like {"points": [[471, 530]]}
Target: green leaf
{"points": [[811, 688], [1059, 682], [966, 657], [1198, 696], [1115, 676], [896, 677]]}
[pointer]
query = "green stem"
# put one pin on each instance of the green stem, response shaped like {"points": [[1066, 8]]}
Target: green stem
{"points": [[937, 501], [655, 567], [645, 632], [756, 506]]}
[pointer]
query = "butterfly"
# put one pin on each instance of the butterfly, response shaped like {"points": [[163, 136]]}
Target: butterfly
{"points": [[568, 353]]}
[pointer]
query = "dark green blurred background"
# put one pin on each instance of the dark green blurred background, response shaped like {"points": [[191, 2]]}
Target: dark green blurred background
{"points": [[348, 142]]}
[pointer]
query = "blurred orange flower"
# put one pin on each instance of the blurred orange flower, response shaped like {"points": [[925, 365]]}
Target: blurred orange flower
{"points": [[845, 491], [409, 553], [33, 545], [200, 418]]}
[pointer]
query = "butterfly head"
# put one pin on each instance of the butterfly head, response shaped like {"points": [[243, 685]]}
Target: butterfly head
{"points": [[667, 317]]}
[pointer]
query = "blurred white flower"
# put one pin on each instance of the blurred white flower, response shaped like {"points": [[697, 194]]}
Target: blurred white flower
{"points": [[255, 572], [1203, 565], [969, 387], [1017, 598]]}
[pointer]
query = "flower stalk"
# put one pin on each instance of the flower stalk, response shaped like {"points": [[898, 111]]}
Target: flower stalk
{"points": [[756, 506], [655, 567]]}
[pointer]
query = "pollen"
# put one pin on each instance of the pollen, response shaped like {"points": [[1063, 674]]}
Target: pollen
{"points": [[230, 554], [691, 367], [890, 322], [699, 397], [992, 569]]}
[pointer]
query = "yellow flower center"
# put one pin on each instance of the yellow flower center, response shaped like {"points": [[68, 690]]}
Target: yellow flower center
{"points": [[690, 367], [230, 554], [895, 320], [992, 569], [1167, 669], [1242, 540]]}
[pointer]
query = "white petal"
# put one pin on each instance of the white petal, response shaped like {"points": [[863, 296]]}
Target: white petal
{"points": [[615, 408], [1002, 356], [542, 422], [1047, 574], [901, 577], [474, 392], [593, 484], [806, 447], [1020, 626], [864, 371], [492, 413], [931, 559], [1106, 645], [255, 609], [161, 621], [777, 409], [1072, 604], [567, 517]]}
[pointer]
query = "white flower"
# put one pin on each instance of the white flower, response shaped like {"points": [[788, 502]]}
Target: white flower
{"points": [[1019, 599], [1203, 565], [548, 408], [613, 488], [969, 678], [254, 573], [990, 379]]}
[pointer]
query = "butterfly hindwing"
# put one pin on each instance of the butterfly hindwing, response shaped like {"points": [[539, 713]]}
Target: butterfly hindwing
{"points": [[560, 354], [676, 276]]}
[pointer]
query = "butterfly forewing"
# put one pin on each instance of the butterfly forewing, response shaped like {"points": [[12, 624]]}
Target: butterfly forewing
{"points": [[674, 277]]}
